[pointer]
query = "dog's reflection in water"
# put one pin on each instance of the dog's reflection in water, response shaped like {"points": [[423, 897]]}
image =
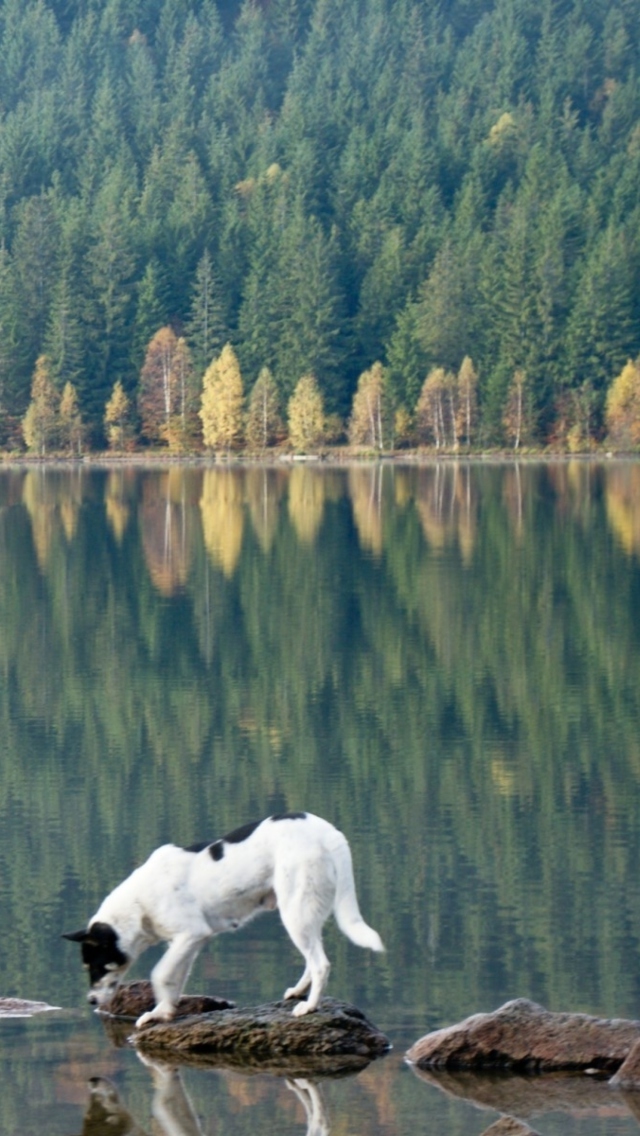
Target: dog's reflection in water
{"points": [[171, 1108]]}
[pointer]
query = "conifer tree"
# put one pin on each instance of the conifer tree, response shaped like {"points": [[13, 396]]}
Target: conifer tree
{"points": [[206, 330], [222, 401]]}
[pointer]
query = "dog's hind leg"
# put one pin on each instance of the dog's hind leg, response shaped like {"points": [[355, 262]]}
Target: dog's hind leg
{"points": [[300, 987], [306, 936]]}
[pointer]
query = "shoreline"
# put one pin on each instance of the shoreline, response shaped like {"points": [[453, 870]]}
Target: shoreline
{"points": [[335, 458]]}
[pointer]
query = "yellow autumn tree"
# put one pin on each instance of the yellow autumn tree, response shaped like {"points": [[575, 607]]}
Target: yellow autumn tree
{"points": [[467, 402], [435, 409], [305, 415], [622, 411], [368, 410], [40, 423], [222, 402], [117, 418], [263, 416], [71, 428]]}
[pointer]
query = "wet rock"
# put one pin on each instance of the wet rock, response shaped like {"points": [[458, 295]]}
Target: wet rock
{"points": [[628, 1075], [136, 998], [337, 1037], [509, 1126], [524, 1036], [20, 1008]]}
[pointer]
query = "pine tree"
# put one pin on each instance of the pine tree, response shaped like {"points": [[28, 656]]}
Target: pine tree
{"points": [[206, 330], [222, 401]]}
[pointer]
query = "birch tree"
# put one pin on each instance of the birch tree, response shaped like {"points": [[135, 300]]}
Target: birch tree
{"points": [[367, 412], [263, 416], [514, 414]]}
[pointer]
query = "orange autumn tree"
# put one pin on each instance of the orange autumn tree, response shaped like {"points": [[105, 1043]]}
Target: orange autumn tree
{"points": [[167, 398]]}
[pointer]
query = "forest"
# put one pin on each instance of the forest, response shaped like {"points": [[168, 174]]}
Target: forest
{"points": [[329, 190]]}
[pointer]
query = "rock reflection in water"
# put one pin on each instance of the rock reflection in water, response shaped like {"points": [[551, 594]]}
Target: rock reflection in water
{"points": [[171, 1108], [523, 1097]]}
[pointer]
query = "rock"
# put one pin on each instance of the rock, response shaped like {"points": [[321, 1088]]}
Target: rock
{"points": [[337, 1037], [135, 998], [524, 1036], [19, 1008], [509, 1126], [628, 1075]]}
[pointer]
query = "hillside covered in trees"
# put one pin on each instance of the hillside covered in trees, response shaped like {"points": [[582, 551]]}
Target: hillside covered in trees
{"points": [[324, 186]]}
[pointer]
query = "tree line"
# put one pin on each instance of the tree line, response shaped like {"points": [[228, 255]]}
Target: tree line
{"points": [[326, 191]]}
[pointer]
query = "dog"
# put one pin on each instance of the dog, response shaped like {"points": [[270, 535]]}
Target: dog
{"points": [[295, 862]]}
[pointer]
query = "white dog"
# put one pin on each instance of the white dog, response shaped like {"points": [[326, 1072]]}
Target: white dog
{"points": [[295, 862]]}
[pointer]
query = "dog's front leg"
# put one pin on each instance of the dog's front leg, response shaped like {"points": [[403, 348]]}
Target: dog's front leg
{"points": [[170, 974]]}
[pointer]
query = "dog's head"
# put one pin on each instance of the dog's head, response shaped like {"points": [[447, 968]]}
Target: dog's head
{"points": [[102, 957]]}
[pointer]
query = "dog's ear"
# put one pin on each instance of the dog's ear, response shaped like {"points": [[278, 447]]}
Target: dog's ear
{"points": [[76, 936]]}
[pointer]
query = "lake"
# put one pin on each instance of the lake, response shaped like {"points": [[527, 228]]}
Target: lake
{"points": [[442, 659]]}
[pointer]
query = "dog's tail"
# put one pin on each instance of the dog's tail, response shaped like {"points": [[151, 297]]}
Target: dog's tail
{"points": [[345, 906]]}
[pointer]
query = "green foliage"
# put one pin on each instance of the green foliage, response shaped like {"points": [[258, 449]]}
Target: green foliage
{"points": [[326, 185]]}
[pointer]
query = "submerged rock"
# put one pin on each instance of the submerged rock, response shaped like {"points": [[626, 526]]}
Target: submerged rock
{"points": [[337, 1037], [524, 1036], [20, 1008], [509, 1126]]}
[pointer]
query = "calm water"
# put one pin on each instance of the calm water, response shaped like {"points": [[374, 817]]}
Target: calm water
{"points": [[442, 660]]}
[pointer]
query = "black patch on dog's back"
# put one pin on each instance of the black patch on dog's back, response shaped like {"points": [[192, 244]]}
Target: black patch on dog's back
{"points": [[242, 833], [216, 847]]}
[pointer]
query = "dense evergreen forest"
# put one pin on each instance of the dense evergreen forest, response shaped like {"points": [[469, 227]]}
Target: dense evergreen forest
{"points": [[324, 186]]}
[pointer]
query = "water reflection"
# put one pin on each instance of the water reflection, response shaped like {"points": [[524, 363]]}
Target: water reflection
{"points": [[172, 507], [441, 659]]}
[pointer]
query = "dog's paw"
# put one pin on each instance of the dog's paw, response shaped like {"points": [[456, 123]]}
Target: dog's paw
{"points": [[158, 1014], [301, 1009]]}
